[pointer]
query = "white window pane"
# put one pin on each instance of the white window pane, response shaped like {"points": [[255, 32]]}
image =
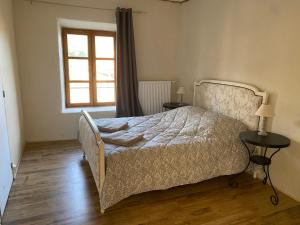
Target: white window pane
{"points": [[79, 93], [105, 69], [105, 92], [77, 45], [104, 47], [78, 69]]}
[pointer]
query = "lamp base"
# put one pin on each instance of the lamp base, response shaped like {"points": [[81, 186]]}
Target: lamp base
{"points": [[262, 133], [180, 104]]}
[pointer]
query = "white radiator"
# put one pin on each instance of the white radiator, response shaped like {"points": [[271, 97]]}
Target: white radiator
{"points": [[153, 94]]}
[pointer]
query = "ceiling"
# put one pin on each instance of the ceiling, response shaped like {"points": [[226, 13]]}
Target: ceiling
{"points": [[176, 1]]}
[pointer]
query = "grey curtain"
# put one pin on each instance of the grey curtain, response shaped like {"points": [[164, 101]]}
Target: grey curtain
{"points": [[127, 85]]}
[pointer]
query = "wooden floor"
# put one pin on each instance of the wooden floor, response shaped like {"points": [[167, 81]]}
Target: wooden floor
{"points": [[55, 186]]}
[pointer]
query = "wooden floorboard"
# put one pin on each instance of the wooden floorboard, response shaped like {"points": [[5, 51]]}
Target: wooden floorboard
{"points": [[55, 186]]}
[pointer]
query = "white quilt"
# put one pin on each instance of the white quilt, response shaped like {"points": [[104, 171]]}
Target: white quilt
{"points": [[182, 146]]}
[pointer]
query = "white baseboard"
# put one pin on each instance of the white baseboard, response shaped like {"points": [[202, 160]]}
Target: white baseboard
{"points": [[15, 167]]}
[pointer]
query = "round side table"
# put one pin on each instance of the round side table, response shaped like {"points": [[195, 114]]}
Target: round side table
{"points": [[269, 143]]}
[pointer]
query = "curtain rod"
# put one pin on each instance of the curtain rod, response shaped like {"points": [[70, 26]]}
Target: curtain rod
{"points": [[77, 6]]}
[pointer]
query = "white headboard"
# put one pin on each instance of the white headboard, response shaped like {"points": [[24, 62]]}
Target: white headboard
{"points": [[236, 100]]}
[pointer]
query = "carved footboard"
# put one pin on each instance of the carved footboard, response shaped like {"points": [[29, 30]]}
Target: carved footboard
{"points": [[93, 148]]}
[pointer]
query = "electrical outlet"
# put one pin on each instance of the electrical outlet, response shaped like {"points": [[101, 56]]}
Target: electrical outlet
{"points": [[258, 173]]}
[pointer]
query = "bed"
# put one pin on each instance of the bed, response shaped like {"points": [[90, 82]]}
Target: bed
{"points": [[182, 146]]}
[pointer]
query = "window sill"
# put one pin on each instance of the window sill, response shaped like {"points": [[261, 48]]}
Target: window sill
{"points": [[111, 109]]}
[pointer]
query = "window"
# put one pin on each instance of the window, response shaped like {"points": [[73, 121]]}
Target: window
{"points": [[89, 67]]}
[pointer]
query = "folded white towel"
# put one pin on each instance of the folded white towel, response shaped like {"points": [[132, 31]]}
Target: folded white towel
{"points": [[122, 138], [110, 127]]}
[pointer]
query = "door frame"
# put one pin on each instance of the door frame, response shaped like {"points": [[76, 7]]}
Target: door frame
{"points": [[3, 98]]}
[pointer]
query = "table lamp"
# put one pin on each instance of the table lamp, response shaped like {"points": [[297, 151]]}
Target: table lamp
{"points": [[181, 92], [263, 112]]}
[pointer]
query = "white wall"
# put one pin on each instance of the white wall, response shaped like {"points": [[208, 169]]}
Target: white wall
{"points": [[255, 42], [10, 78], [37, 42]]}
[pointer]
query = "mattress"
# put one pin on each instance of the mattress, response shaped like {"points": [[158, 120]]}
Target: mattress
{"points": [[182, 146]]}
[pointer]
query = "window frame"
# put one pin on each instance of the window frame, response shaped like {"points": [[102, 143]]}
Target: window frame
{"points": [[92, 59]]}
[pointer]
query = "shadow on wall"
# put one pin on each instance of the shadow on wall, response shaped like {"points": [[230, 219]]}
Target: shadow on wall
{"points": [[295, 150], [296, 144], [297, 123], [292, 153], [273, 101]]}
